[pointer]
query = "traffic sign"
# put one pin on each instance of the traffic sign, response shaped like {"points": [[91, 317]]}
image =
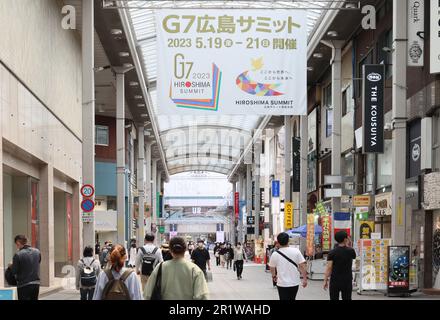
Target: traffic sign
{"points": [[87, 205], [87, 190]]}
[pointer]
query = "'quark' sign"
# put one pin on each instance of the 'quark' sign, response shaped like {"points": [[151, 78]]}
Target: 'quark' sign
{"points": [[373, 123]]}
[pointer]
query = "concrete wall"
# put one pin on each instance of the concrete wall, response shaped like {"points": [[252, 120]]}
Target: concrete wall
{"points": [[43, 55]]}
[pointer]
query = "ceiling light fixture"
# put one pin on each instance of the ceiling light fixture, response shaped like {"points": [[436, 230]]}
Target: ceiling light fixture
{"points": [[309, 68], [127, 65], [138, 97], [124, 54], [116, 32], [333, 34], [140, 105], [133, 83], [318, 55]]}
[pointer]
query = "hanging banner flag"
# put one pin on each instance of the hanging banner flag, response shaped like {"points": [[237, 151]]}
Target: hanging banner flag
{"points": [[276, 188], [236, 204], [288, 215], [372, 111], [231, 62], [342, 222], [416, 26], [326, 232], [435, 37], [310, 235]]}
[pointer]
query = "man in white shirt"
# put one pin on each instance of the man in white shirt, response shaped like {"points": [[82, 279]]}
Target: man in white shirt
{"points": [[148, 257], [286, 265]]}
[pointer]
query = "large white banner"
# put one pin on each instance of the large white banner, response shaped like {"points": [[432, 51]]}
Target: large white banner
{"points": [[435, 36], [416, 25], [231, 62]]}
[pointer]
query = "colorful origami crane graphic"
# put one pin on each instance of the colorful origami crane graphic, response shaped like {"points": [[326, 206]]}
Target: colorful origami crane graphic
{"points": [[203, 104], [245, 83]]}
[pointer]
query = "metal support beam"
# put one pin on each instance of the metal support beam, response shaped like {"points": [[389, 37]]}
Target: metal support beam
{"points": [[337, 115], [257, 148], [120, 156], [242, 195], [154, 194], [287, 158], [88, 109], [148, 196], [398, 220], [233, 230], [303, 174], [141, 185]]}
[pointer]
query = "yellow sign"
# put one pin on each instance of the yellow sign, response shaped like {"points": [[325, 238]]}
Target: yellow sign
{"points": [[288, 215], [361, 201], [366, 228]]}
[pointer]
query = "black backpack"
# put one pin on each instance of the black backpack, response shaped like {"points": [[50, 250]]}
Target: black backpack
{"points": [[148, 260], [88, 275]]}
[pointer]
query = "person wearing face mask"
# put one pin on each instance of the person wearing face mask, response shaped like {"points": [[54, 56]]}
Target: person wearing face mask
{"points": [[239, 257], [200, 256]]}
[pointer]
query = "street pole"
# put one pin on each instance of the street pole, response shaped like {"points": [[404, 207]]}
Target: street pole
{"points": [[399, 119]]}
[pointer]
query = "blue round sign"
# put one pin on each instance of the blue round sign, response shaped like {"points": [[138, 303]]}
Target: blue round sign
{"points": [[87, 205]]}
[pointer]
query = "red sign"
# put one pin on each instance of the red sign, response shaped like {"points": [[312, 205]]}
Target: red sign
{"points": [[326, 233], [87, 191], [236, 204]]}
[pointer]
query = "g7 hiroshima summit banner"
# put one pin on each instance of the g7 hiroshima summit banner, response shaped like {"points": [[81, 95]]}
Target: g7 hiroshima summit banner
{"points": [[231, 62]]}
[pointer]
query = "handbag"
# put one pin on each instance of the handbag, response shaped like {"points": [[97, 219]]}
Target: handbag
{"points": [[10, 279], [157, 294]]}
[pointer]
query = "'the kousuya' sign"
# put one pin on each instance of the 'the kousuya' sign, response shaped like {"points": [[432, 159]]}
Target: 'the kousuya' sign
{"points": [[372, 111]]}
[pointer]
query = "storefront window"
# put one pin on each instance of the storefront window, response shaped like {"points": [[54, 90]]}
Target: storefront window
{"points": [[370, 172], [348, 168], [436, 250], [384, 166], [436, 140]]}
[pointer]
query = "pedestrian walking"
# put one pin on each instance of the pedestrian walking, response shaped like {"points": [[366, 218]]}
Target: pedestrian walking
{"points": [[149, 256], [229, 256], [286, 265], [217, 254], [88, 269], [222, 253], [25, 268], [200, 256], [239, 257], [97, 249], [339, 268], [190, 248], [132, 254], [118, 282], [275, 247], [166, 254], [177, 279]]}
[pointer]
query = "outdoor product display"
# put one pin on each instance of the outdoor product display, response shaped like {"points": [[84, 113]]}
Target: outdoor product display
{"points": [[373, 264], [398, 269]]}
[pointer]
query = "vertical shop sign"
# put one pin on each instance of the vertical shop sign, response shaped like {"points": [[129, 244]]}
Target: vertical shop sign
{"points": [[326, 232], [372, 111], [398, 269], [288, 215], [416, 26], [236, 204], [310, 234], [296, 163]]}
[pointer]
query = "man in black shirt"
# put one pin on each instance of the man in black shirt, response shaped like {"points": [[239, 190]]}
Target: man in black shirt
{"points": [[200, 256], [339, 268]]}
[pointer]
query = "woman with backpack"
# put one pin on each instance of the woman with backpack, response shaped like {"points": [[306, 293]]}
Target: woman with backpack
{"points": [[177, 279], [118, 282], [88, 269]]}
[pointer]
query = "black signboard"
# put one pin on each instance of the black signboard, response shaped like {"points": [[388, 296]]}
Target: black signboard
{"points": [[398, 269], [250, 220], [296, 162], [414, 148], [372, 111], [250, 230]]}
